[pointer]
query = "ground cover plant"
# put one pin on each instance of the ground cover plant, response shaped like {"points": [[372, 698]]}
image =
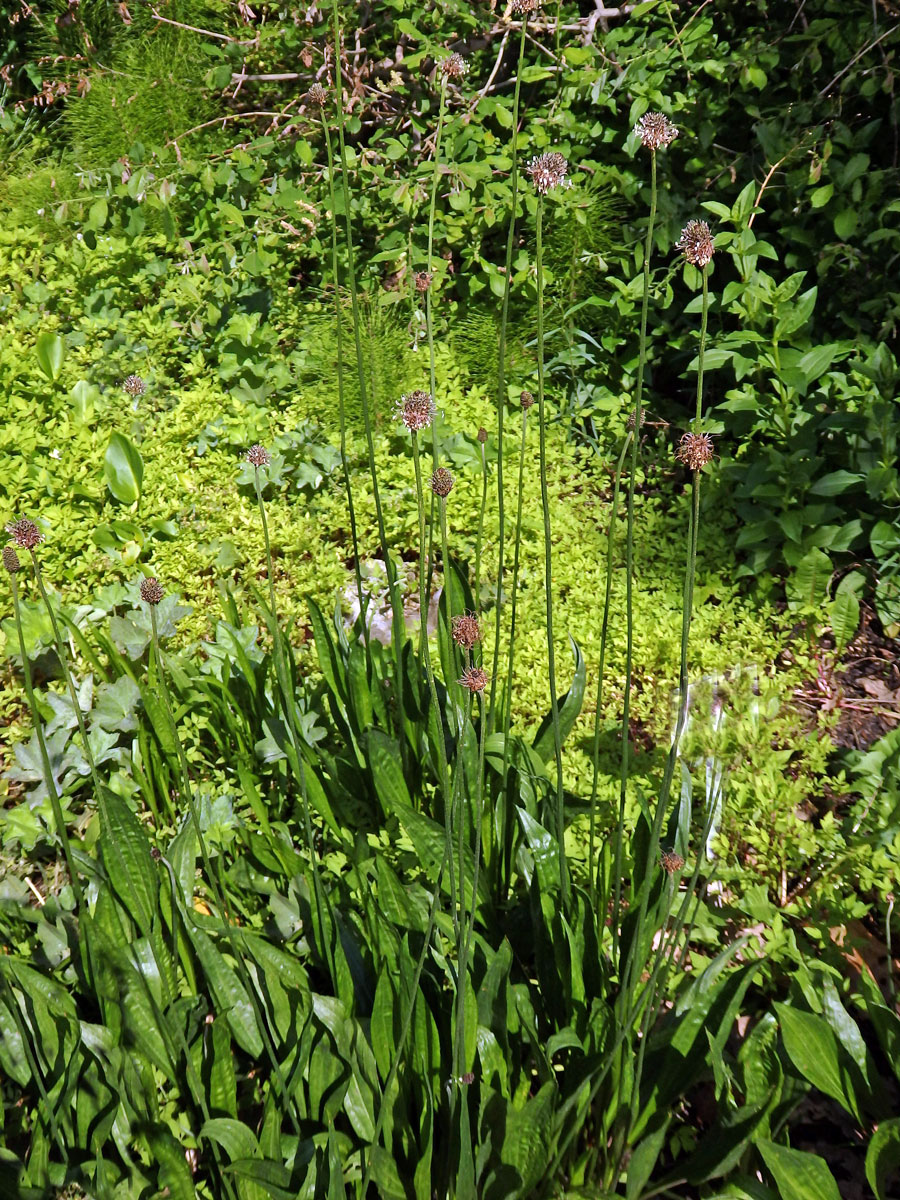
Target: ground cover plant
{"points": [[412, 793]]}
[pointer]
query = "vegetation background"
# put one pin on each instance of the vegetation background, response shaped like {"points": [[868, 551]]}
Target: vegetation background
{"points": [[165, 188]]}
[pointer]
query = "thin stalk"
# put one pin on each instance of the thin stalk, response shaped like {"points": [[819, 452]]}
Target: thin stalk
{"points": [[478, 540], [629, 551], [58, 817], [510, 666], [633, 966], [429, 317], [604, 629], [342, 412], [432, 688], [548, 568], [398, 627], [501, 364], [459, 1040]]}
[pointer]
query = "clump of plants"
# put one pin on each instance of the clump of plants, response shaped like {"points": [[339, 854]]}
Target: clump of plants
{"points": [[380, 961]]}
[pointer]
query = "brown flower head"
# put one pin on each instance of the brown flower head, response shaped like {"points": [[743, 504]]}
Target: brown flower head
{"points": [[151, 590], [24, 533], [548, 171], [465, 630], [655, 131], [695, 450], [632, 417], [696, 243], [525, 7], [454, 66], [526, 400], [317, 96], [670, 862], [473, 679], [134, 386], [482, 435], [442, 482], [11, 560], [416, 410], [422, 280], [258, 456]]}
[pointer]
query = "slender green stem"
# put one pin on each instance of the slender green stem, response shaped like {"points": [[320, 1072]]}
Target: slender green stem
{"points": [[634, 966], [429, 314], [604, 629], [548, 568], [342, 411], [501, 361], [459, 1040], [506, 849], [399, 629], [629, 539], [49, 780], [478, 540], [432, 688]]}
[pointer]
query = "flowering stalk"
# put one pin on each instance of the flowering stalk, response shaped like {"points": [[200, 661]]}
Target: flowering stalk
{"points": [[595, 755], [482, 438], [655, 132], [548, 558], [501, 360], [342, 415], [398, 636], [527, 401]]}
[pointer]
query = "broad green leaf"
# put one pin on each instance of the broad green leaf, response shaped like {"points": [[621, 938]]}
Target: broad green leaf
{"points": [[526, 1136], [174, 1173], [569, 708], [123, 469], [236, 1139], [883, 1158], [835, 482], [809, 582], [843, 613], [643, 1160], [798, 1175], [126, 856], [51, 353], [228, 992], [813, 1049], [387, 772], [222, 1079]]}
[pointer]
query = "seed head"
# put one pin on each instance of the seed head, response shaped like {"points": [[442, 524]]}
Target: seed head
{"points": [[525, 7], [655, 131], [482, 435], [548, 171], [422, 280], [317, 96], [465, 630], [454, 66], [474, 679], [11, 560], [696, 243], [151, 590], [24, 533], [134, 386], [632, 416], [442, 482], [695, 450], [526, 400], [258, 456], [416, 410], [670, 862]]}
